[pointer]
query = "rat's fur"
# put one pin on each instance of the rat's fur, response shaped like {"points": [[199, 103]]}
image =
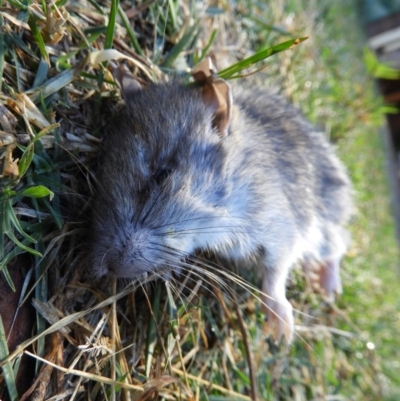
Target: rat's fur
{"points": [[170, 184]]}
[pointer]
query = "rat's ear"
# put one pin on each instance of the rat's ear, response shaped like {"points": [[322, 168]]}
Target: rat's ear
{"points": [[216, 94], [126, 81]]}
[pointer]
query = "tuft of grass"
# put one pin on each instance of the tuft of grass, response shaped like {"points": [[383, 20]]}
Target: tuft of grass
{"points": [[8, 372]]}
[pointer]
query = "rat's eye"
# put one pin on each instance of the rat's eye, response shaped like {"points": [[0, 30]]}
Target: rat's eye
{"points": [[162, 174]]}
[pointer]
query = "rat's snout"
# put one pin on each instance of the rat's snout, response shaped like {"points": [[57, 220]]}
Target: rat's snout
{"points": [[134, 254]]}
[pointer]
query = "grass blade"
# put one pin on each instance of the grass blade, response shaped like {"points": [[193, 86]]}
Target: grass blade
{"points": [[173, 15], [44, 131], [54, 213], [259, 56], [180, 46], [18, 42], [26, 160], [270, 27], [209, 44], [151, 339], [8, 371], [41, 74], [22, 246], [111, 25], [38, 38], [7, 275], [17, 71], [131, 32], [55, 84], [1, 50], [41, 294], [3, 222], [18, 4], [4, 228], [97, 7], [15, 222]]}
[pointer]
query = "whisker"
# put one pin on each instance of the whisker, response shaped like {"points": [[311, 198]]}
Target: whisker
{"points": [[256, 292], [138, 215], [151, 208], [179, 294], [203, 276], [200, 273], [189, 219], [213, 266]]}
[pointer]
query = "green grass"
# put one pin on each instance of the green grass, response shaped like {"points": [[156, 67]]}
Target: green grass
{"points": [[328, 81], [215, 346]]}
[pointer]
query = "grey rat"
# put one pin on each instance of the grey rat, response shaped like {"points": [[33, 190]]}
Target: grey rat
{"points": [[262, 184]]}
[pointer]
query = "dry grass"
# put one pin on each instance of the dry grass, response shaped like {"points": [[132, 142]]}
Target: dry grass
{"points": [[195, 337]]}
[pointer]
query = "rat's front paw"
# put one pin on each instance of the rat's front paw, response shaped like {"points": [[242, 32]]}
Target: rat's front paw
{"points": [[279, 312]]}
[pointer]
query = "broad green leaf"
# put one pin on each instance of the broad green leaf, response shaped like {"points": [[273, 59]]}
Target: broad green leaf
{"points": [[38, 191]]}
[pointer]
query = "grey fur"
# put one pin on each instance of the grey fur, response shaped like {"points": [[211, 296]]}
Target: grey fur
{"points": [[169, 185]]}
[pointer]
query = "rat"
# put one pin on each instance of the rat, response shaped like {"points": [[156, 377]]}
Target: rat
{"points": [[241, 173]]}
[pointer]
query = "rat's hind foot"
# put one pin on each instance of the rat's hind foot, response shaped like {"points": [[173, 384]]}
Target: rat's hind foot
{"points": [[324, 276], [329, 278]]}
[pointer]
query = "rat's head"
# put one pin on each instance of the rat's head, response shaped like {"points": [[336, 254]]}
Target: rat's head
{"points": [[160, 184]]}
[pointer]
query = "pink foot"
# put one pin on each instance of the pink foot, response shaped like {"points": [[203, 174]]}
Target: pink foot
{"points": [[329, 279], [324, 277]]}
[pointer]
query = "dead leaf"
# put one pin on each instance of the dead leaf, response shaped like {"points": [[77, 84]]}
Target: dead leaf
{"points": [[24, 106], [97, 57], [156, 385], [10, 166], [15, 21], [7, 120], [6, 139]]}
